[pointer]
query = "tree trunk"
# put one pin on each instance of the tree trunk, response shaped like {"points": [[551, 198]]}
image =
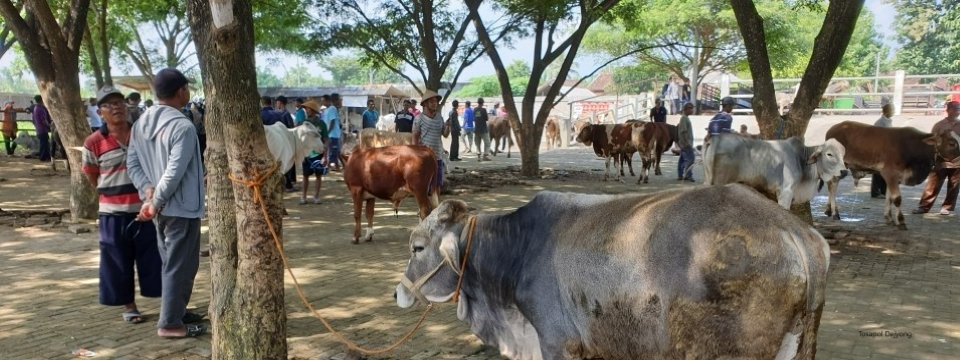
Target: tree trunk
{"points": [[53, 54], [829, 48], [247, 305], [94, 61], [104, 44]]}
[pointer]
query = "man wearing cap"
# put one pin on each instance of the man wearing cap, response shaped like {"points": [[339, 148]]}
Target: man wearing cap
{"points": [[43, 124], [10, 126], [685, 143], [404, 119], [481, 133], [314, 162], [468, 125], [331, 116], [127, 246], [163, 161], [943, 170], [428, 128], [453, 121], [133, 106]]}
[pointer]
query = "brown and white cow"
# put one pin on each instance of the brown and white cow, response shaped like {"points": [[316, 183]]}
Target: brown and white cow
{"points": [[500, 134], [552, 130], [390, 173], [651, 141], [611, 142], [902, 155]]}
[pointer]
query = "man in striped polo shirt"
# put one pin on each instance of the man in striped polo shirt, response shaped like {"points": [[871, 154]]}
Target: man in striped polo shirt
{"points": [[428, 127], [124, 242]]}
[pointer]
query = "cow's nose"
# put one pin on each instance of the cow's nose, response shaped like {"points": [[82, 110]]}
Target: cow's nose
{"points": [[394, 294]]}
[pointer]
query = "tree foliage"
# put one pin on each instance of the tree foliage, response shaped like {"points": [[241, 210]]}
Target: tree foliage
{"points": [[929, 32], [349, 70], [429, 37]]}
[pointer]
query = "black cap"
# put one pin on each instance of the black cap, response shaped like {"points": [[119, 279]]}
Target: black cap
{"points": [[168, 81]]}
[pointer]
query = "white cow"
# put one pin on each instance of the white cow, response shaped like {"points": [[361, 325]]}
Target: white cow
{"points": [[387, 122], [289, 146], [27, 141], [784, 170]]}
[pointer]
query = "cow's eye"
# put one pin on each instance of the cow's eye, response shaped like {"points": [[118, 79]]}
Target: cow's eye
{"points": [[417, 249], [829, 154]]}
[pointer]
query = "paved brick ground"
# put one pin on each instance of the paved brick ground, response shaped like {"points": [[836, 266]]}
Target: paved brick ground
{"points": [[882, 280]]}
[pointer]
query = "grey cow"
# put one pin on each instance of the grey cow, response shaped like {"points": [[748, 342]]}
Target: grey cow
{"points": [[713, 272], [785, 170]]}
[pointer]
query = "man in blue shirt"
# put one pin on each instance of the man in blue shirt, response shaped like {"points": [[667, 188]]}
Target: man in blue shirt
{"points": [[281, 108], [267, 114], [722, 122], [370, 116], [404, 119], [331, 116], [468, 126]]}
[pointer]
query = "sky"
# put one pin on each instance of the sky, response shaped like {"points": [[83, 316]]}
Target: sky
{"points": [[521, 50]]}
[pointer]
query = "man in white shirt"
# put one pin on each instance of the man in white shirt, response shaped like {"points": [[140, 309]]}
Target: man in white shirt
{"points": [[92, 117]]}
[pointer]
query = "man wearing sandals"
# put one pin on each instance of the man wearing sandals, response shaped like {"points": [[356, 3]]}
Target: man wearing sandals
{"points": [[125, 243], [163, 161]]}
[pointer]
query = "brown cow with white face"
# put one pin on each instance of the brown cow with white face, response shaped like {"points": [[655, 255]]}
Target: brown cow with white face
{"points": [[390, 173], [611, 142], [652, 140], [902, 155]]}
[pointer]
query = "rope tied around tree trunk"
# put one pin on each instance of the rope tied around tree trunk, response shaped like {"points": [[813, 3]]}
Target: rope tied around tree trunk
{"points": [[255, 185]]}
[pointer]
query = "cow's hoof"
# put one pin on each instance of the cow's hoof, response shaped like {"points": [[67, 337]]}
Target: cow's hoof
{"points": [[355, 241], [836, 216], [827, 212], [902, 226], [646, 181]]}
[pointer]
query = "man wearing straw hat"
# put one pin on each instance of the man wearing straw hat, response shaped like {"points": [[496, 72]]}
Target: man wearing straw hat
{"points": [[428, 127]]}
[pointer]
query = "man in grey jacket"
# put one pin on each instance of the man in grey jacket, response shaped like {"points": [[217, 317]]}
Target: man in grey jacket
{"points": [[163, 161]]}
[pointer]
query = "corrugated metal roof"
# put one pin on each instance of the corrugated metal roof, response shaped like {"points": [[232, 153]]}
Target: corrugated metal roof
{"points": [[316, 91]]}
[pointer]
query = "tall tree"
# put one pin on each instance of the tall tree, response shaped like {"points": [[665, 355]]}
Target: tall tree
{"points": [[246, 306], [929, 32], [7, 37], [551, 43], [101, 34], [828, 50], [53, 51], [166, 20], [430, 37]]}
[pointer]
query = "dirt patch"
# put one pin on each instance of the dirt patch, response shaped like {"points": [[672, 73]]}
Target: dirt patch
{"points": [[467, 181]]}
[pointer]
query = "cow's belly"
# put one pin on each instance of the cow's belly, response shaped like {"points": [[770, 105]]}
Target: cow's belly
{"points": [[394, 196]]}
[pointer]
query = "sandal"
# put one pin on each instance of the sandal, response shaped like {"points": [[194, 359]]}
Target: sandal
{"points": [[192, 317], [133, 316], [192, 331]]}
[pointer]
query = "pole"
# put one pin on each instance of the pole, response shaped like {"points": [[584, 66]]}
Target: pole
{"points": [[876, 80]]}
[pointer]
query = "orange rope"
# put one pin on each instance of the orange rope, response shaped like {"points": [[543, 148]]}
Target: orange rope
{"points": [[463, 263], [255, 185]]}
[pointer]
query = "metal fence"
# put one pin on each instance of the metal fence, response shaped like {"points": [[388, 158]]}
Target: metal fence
{"points": [[852, 95]]}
